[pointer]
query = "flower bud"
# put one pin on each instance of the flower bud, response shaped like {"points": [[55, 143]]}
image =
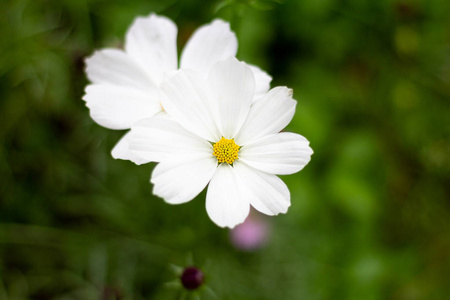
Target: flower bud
{"points": [[192, 278]]}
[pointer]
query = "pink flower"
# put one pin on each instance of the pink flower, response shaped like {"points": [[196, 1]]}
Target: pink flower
{"points": [[251, 235]]}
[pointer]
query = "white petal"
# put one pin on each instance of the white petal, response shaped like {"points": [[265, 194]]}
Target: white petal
{"points": [[282, 153], [226, 205], [233, 85], [152, 43], [179, 181], [268, 115], [118, 107], [209, 44], [266, 192], [112, 66], [122, 151], [158, 139], [262, 82], [187, 100]]}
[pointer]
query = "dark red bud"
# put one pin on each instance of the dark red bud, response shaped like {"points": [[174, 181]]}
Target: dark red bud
{"points": [[192, 278]]}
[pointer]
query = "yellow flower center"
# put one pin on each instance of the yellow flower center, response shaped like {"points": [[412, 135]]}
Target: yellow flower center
{"points": [[226, 150]]}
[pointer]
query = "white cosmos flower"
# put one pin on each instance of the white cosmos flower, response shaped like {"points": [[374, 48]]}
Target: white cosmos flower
{"points": [[125, 83], [217, 135]]}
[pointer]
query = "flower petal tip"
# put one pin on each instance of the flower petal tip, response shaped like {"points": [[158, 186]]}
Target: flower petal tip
{"points": [[290, 92]]}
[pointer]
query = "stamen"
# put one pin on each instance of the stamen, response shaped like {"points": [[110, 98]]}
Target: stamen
{"points": [[226, 150]]}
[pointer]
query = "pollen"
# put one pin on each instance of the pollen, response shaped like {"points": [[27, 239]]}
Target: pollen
{"points": [[226, 150]]}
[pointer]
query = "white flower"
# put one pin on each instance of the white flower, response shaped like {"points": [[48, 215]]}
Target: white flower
{"points": [[125, 83], [217, 135]]}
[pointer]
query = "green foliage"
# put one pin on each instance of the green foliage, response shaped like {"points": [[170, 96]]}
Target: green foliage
{"points": [[370, 217]]}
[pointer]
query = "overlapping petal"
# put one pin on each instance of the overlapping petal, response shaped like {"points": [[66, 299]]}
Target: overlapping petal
{"points": [[282, 153], [232, 87], [209, 44], [115, 67], [268, 115], [262, 82], [119, 107], [159, 138], [186, 98], [226, 204], [180, 180], [266, 192], [152, 43], [122, 151]]}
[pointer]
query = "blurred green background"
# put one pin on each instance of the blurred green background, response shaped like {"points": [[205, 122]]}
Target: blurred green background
{"points": [[370, 214]]}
